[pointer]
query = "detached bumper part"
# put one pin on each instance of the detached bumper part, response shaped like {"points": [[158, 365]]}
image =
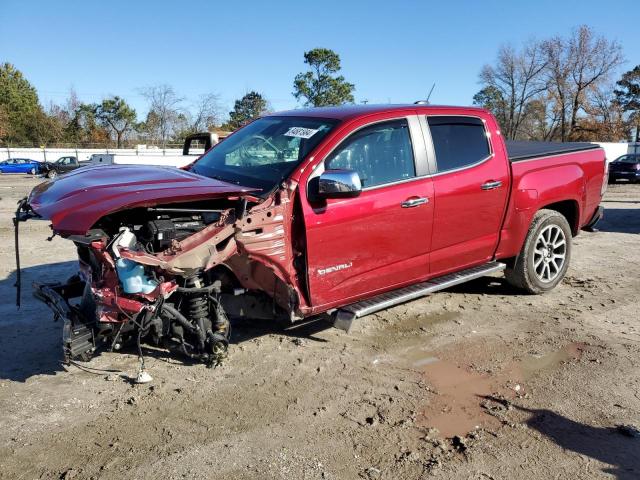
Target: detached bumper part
{"points": [[78, 337]]}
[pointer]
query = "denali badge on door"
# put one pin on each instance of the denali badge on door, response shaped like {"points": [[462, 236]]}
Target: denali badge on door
{"points": [[335, 268]]}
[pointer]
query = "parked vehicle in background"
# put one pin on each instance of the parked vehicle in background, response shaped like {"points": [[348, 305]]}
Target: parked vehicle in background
{"points": [[61, 166], [626, 167], [20, 165], [194, 146], [332, 210]]}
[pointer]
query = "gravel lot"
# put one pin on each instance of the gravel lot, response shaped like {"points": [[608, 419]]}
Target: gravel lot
{"points": [[477, 382]]}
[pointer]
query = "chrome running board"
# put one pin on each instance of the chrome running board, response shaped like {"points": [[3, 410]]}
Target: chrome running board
{"points": [[345, 315]]}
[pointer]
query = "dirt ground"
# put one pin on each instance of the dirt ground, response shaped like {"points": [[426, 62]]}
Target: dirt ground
{"points": [[477, 382]]}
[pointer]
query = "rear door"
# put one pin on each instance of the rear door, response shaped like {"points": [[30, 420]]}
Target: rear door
{"points": [[360, 246], [471, 188]]}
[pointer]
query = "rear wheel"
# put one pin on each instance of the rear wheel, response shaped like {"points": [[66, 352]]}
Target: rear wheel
{"points": [[32, 171], [544, 258]]}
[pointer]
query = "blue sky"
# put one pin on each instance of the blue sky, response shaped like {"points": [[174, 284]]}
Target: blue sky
{"points": [[392, 50]]}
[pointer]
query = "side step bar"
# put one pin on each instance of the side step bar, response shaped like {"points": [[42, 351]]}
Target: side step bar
{"points": [[344, 316]]}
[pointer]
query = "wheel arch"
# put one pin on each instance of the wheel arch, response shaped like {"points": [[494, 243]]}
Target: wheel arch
{"points": [[569, 209]]}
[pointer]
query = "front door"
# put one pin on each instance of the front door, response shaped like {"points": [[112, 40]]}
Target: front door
{"points": [[379, 240], [66, 164]]}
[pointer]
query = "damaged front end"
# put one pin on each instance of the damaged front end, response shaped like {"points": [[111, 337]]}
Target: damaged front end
{"points": [[167, 272]]}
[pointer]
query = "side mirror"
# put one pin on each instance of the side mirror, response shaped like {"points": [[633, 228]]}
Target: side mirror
{"points": [[339, 184]]}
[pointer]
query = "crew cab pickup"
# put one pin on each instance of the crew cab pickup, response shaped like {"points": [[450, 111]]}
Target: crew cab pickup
{"points": [[344, 211]]}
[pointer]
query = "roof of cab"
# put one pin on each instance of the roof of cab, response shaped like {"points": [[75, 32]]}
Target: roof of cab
{"points": [[348, 112]]}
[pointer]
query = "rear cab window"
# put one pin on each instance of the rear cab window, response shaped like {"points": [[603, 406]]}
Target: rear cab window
{"points": [[629, 159], [458, 141]]}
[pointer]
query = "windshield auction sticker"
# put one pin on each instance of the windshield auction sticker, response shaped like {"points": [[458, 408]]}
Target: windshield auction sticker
{"points": [[300, 132]]}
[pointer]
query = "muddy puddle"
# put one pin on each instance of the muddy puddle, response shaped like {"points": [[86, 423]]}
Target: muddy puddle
{"points": [[531, 365], [455, 408], [457, 402]]}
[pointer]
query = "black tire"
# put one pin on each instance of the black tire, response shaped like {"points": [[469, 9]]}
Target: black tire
{"points": [[52, 174], [538, 273], [32, 171]]}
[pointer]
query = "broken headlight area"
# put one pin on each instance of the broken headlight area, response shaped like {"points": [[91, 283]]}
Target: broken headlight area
{"points": [[115, 300], [172, 274]]}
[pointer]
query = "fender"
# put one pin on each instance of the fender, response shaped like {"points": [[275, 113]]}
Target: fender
{"points": [[534, 190]]}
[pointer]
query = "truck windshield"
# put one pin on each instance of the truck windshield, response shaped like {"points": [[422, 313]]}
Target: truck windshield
{"points": [[265, 152]]}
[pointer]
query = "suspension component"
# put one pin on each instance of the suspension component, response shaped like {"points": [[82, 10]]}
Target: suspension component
{"points": [[202, 309], [196, 306]]}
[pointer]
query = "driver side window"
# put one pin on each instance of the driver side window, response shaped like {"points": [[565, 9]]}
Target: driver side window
{"points": [[380, 154]]}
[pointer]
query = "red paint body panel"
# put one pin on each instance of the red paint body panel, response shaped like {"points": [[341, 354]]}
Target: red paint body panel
{"points": [[467, 219], [75, 201], [575, 177], [364, 232]]}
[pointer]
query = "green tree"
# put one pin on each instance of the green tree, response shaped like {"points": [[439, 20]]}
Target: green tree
{"points": [[19, 104], [248, 108], [491, 98], [83, 127], [117, 116], [628, 97], [319, 86]]}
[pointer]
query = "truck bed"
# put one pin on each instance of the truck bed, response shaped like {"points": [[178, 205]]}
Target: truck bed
{"points": [[523, 150]]}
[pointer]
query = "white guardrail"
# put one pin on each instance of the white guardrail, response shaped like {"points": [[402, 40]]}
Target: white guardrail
{"points": [[52, 154]]}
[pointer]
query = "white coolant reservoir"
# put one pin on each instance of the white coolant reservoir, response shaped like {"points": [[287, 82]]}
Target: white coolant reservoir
{"points": [[126, 239]]}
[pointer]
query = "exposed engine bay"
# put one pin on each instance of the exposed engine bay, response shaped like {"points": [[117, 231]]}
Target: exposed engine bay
{"points": [[171, 275]]}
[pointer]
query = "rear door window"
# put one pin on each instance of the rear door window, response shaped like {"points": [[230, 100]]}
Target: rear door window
{"points": [[381, 153], [629, 159], [458, 141]]}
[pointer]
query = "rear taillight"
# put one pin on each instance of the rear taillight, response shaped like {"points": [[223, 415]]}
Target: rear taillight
{"points": [[605, 179]]}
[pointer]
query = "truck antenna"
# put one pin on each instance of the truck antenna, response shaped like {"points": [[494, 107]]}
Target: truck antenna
{"points": [[431, 91]]}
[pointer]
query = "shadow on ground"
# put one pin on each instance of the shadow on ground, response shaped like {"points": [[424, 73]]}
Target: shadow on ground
{"points": [[29, 338], [620, 220], [30, 341], [605, 444], [486, 286]]}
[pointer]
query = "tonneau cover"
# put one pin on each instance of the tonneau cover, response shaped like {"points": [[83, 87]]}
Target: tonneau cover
{"points": [[521, 150]]}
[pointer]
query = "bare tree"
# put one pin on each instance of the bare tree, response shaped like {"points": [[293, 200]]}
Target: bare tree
{"points": [[541, 119], [605, 117], [164, 111], [576, 65], [206, 113], [517, 77]]}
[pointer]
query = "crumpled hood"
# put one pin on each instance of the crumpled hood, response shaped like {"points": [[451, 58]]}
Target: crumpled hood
{"points": [[76, 201]]}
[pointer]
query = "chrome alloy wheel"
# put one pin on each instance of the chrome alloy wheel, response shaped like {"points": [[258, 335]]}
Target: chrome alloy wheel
{"points": [[549, 253]]}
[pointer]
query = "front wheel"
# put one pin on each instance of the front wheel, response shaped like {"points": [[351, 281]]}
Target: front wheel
{"points": [[32, 171], [543, 261], [52, 174]]}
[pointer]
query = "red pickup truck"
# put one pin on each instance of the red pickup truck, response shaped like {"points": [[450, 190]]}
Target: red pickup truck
{"points": [[343, 210]]}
